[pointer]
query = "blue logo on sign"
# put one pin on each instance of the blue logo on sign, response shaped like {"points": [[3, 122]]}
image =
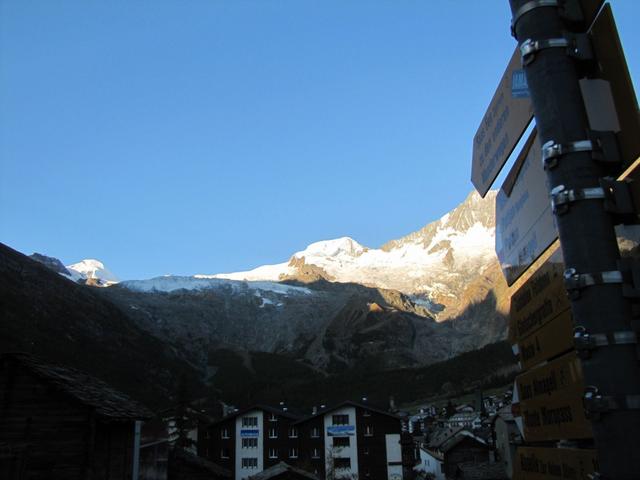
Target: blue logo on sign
{"points": [[341, 430], [519, 86]]}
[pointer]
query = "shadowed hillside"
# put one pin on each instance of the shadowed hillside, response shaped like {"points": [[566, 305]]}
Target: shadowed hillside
{"points": [[61, 321]]}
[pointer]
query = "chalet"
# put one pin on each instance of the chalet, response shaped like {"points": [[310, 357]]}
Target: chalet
{"points": [[464, 446], [470, 420], [431, 459], [60, 423], [450, 447], [353, 439], [251, 440], [349, 439]]}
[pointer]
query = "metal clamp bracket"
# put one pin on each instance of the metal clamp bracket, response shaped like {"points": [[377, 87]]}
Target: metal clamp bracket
{"points": [[616, 196], [527, 7], [595, 404], [569, 10], [586, 342], [561, 197], [602, 145], [552, 150], [574, 281], [576, 45]]}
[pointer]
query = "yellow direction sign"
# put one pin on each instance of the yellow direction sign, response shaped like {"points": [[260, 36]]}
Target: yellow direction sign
{"points": [[524, 222], [551, 401], [541, 299], [540, 463], [503, 124], [552, 339]]}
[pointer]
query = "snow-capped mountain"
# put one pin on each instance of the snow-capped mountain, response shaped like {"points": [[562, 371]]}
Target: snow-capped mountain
{"points": [[336, 303], [170, 283], [433, 265], [92, 271]]}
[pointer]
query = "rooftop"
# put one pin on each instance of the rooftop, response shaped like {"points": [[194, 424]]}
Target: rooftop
{"points": [[284, 469], [107, 402]]}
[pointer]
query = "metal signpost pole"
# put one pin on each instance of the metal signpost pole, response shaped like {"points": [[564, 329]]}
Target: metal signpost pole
{"points": [[582, 206]]}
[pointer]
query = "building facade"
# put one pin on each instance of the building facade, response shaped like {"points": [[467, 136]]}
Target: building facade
{"points": [[347, 441], [250, 441]]}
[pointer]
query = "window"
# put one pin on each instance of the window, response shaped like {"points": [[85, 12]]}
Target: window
{"points": [[224, 453], [368, 431], [341, 442], [340, 419], [315, 453], [315, 432], [293, 452], [273, 453], [293, 432], [273, 433], [342, 463], [273, 417], [249, 443], [251, 462], [249, 421], [224, 433]]}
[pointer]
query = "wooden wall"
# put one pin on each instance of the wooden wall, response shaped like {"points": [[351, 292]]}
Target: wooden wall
{"points": [[48, 435]]}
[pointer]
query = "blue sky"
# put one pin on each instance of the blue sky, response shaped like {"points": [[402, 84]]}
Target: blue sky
{"points": [[211, 136]]}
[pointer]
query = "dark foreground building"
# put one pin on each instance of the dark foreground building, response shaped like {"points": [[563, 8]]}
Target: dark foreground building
{"points": [[60, 423]]}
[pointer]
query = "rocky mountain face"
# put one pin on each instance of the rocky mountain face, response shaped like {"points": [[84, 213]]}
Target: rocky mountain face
{"points": [[51, 263], [336, 304], [332, 314]]}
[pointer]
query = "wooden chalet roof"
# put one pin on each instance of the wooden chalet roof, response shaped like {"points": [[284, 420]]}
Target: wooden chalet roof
{"points": [[439, 437], [458, 438], [349, 403], [481, 471], [107, 402], [283, 470], [200, 463], [265, 408]]}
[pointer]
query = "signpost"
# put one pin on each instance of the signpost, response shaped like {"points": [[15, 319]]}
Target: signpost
{"points": [[574, 76], [549, 341], [541, 299], [551, 401], [541, 463], [505, 121], [524, 222]]}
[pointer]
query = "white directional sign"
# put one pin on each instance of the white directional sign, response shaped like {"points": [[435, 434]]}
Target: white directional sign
{"points": [[524, 222], [503, 124]]}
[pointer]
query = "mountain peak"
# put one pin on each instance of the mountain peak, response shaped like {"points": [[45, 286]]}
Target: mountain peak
{"points": [[92, 269], [343, 246], [50, 262]]}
